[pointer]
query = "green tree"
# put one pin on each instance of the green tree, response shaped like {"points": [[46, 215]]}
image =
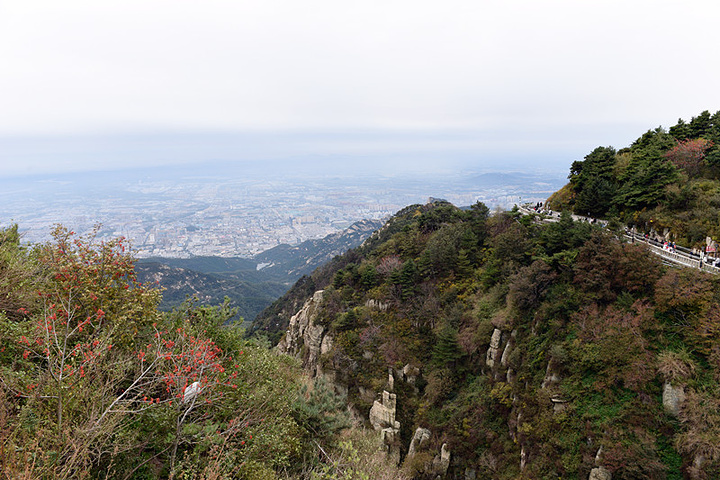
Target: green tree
{"points": [[645, 180], [446, 352], [320, 410], [593, 182]]}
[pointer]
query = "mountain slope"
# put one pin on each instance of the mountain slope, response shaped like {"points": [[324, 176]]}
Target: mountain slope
{"points": [[293, 261], [250, 284], [526, 350], [179, 284]]}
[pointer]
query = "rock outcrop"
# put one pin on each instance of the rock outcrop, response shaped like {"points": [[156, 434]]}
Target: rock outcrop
{"points": [[441, 462], [304, 338], [600, 473], [494, 349], [382, 418], [382, 414], [673, 397], [419, 440], [410, 374]]}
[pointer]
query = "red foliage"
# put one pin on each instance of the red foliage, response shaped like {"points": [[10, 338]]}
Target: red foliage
{"points": [[184, 359], [689, 154]]}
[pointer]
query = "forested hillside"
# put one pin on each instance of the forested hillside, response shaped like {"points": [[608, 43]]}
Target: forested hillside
{"points": [[665, 180], [538, 351], [250, 284]]}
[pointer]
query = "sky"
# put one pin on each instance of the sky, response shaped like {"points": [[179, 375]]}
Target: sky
{"points": [[103, 84]]}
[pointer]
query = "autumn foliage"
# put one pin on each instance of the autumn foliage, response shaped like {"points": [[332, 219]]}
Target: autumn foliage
{"points": [[94, 379], [689, 154]]}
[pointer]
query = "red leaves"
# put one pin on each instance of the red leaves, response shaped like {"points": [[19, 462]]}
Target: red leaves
{"points": [[185, 359], [688, 154]]}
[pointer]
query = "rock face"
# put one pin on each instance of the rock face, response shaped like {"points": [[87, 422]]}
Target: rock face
{"points": [[419, 440], [382, 414], [304, 336], [600, 473], [382, 418], [410, 374], [551, 379], [494, 349], [377, 305], [441, 462], [672, 398]]}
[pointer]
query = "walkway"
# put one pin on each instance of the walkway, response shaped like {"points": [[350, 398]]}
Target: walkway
{"points": [[680, 256]]}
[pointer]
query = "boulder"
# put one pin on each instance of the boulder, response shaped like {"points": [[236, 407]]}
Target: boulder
{"points": [[672, 398], [600, 473]]}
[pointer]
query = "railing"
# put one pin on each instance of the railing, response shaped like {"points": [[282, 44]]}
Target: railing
{"points": [[679, 255]]}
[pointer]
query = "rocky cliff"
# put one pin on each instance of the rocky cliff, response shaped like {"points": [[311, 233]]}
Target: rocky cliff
{"points": [[494, 347]]}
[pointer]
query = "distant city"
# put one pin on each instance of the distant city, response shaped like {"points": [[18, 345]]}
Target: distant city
{"points": [[206, 211]]}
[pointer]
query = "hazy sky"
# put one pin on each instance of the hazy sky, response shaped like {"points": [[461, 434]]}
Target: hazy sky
{"points": [[480, 77]]}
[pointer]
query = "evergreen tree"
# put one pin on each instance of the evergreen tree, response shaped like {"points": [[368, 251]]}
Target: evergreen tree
{"points": [[446, 352], [320, 410]]}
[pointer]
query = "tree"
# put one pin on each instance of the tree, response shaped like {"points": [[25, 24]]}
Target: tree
{"points": [[701, 125], [74, 345], [447, 351], [320, 410], [593, 182], [643, 185], [596, 198], [605, 268], [689, 155], [18, 274], [680, 131]]}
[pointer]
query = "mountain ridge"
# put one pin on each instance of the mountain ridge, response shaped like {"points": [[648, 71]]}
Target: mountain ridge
{"points": [[249, 288]]}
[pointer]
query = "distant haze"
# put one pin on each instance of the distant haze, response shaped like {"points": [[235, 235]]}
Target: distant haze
{"points": [[115, 84], [369, 152]]}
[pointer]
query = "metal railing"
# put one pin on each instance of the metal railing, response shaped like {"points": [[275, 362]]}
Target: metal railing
{"points": [[677, 255]]}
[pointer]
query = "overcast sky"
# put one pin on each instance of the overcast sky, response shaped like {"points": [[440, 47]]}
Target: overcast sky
{"points": [[553, 78]]}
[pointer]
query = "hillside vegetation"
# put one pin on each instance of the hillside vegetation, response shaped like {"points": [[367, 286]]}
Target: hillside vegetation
{"points": [[250, 284], [666, 180], [544, 351], [96, 382]]}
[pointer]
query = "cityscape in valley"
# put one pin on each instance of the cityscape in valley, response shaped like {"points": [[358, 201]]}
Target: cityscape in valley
{"points": [[211, 211]]}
